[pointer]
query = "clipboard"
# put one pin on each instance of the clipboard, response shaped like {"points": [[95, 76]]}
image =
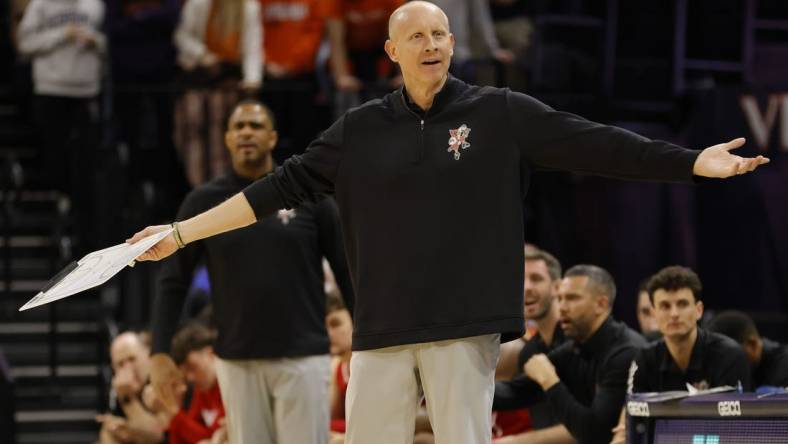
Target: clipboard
{"points": [[92, 270]]}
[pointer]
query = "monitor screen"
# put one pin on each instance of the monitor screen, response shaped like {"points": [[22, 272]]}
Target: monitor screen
{"points": [[720, 431]]}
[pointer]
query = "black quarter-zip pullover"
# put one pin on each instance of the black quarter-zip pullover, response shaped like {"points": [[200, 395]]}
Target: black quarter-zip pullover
{"points": [[434, 240]]}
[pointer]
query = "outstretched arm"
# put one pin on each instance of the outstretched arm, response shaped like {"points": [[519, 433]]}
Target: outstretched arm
{"points": [[233, 213]]}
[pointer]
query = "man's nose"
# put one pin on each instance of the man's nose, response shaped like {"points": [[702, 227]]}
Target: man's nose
{"points": [[430, 44]]}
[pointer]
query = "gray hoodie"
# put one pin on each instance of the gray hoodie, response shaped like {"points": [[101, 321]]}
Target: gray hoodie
{"points": [[63, 66]]}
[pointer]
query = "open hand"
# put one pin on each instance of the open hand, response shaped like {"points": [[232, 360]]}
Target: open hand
{"points": [[717, 161]]}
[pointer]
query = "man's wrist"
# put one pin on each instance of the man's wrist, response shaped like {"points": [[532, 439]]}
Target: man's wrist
{"points": [[176, 234], [548, 382]]}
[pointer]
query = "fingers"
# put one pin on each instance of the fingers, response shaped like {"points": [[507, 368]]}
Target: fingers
{"points": [[735, 143], [148, 231], [139, 236], [745, 165]]}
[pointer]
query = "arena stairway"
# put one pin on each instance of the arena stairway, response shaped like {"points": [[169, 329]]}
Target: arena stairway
{"points": [[56, 351]]}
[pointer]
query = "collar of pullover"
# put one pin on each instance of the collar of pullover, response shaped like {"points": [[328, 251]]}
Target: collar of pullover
{"points": [[696, 355], [450, 91]]}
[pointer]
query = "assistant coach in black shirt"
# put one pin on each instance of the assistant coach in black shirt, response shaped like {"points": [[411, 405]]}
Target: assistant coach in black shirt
{"points": [[686, 354], [268, 298], [584, 380]]}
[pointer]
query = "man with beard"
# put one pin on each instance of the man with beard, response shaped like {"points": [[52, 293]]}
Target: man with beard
{"points": [[584, 380], [542, 277], [269, 306]]}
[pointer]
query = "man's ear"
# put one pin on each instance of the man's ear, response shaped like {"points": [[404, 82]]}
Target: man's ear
{"points": [[603, 303], [391, 50]]}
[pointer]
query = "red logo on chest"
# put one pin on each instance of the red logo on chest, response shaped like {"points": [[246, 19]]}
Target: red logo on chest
{"points": [[458, 139]]}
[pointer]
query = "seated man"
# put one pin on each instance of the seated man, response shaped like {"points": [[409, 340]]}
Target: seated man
{"points": [[130, 420], [192, 351], [686, 355], [645, 312], [540, 286], [583, 380], [768, 359]]}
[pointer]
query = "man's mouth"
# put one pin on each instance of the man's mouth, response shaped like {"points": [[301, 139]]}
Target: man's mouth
{"points": [[431, 62]]}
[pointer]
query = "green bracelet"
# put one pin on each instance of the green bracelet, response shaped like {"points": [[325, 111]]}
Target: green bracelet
{"points": [[176, 233]]}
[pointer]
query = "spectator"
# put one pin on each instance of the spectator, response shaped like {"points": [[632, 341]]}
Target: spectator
{"points": [[340, 332], [583, 380], [365, 28], [513, 28], [66, 44], [768, 359], [273, 374], [192, 351], [219, 48], [131, 421], [645, 314], [294, 31], [470, 18]]}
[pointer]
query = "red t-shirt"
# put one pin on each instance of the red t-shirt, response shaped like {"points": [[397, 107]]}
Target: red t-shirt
{"points": [[366, 22], [293, 30], [510, 422], [342, 376], [201, 420]]}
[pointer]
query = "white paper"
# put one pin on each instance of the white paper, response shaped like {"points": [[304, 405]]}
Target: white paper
{"points": [[96, 268]]}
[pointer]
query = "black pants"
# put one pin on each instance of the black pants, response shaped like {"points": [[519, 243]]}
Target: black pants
{"points": [[68, 130]]}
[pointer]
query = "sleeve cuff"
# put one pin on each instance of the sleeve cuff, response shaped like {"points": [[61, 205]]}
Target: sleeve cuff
{"points": [[263, 197]]}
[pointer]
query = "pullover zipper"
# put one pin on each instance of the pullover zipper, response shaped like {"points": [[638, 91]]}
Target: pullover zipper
{"points": [[418, 155]]}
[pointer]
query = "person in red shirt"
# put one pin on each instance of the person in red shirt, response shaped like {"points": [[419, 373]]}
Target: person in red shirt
{"points": [[340, 332], [192, 350], [293, 32]]}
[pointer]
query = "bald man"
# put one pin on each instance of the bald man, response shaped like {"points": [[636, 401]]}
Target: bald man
{"points": [[430, 182]]}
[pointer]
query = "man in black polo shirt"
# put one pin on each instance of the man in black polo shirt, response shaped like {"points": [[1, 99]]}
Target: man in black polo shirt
{"points": [[268, 299], [686, 355], [583, 380], [769, 359]]}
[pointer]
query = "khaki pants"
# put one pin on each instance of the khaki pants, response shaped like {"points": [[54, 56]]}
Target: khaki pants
{"points": [[276, 401], [458, 378]]}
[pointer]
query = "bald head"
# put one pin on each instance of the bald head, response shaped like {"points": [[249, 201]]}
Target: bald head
{"points": [[412, 9]]}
